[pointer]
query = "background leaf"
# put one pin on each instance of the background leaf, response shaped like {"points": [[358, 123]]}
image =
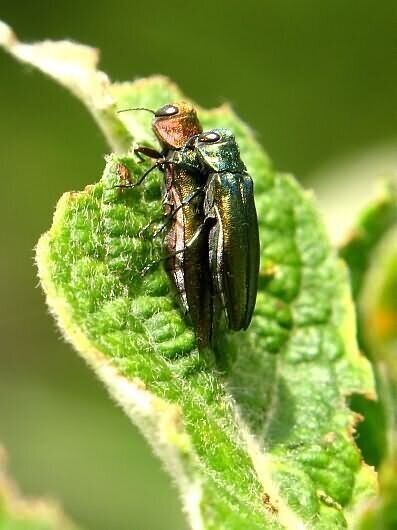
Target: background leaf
{"points": [[371, 252], [372, 225], [18, 513], [359, 252], [379, 313]]}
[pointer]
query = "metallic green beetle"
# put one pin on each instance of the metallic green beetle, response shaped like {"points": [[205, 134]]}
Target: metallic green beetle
{"points": [[233, 236]]}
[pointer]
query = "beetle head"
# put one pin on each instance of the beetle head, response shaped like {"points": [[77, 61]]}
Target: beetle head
{"points": [[175, 123], [219, 151]]}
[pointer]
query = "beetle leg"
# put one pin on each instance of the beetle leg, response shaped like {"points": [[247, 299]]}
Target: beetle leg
{"points": [[139, 182], [164, 202], [144, 228], [189, 144], [171, 215], [186, 201], [206, 225], [167, 202], [146, 151]]}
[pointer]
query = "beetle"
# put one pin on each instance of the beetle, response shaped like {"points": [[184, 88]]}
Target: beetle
{"points": [[233, 238], [187, 265]]}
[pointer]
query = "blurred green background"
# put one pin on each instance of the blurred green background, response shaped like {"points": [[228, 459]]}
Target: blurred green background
{"points": [[316, 81]]}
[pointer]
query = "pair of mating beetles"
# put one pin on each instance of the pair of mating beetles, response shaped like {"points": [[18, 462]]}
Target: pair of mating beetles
{"points": [[212, 240]]}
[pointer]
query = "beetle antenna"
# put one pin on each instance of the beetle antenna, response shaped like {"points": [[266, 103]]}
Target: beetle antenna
{"points": [[136, 108]]}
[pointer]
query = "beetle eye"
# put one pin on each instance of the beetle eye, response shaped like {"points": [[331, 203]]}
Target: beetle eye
{"points": [[167, 110], [210, 137]]}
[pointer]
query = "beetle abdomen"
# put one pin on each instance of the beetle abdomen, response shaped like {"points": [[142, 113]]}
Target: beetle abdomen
{"points": [[234, 245]]}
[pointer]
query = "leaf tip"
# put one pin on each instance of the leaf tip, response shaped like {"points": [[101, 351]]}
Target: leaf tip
{"points": [[7, 36]]}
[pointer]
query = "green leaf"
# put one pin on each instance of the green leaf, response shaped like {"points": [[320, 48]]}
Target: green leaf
{"points": [[372, 225], [359, 249], [18, 513], [263, 438], [379, 315], [371, 254]]}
